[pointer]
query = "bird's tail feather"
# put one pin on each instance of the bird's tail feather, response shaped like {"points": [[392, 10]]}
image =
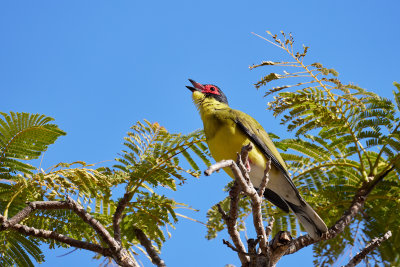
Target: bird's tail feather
{"points": [[309, 219]]}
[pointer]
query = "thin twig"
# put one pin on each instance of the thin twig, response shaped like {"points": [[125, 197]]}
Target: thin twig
{"points": [[229, 245], [265, 179], [217, 166], [234, 194], [268, 229], [222, 212], [376, 242]]}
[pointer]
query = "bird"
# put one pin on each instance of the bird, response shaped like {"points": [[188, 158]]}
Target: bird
{"points": [[227, 130]]}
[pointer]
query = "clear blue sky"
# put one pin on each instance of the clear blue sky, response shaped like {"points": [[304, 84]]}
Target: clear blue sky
{"points": [[99, 66]]}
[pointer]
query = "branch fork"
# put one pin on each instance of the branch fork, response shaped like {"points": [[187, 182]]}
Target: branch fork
{"points": [[242, 184], [269, 253]]}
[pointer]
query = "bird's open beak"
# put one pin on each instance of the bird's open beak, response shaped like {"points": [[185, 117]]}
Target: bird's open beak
{"points": [[196, 86]]}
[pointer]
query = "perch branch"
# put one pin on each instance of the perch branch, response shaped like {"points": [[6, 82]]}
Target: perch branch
{"points": [[217, 166], [230, 219], [282, 243], [256, 200], [231, 222], [242, 183]]}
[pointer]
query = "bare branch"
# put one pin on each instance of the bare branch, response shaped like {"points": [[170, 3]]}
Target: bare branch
{"points": [[244, 153], [256, 203], [252, 246], [151, 251], [229, 245], [268, 229], [282, 244], [242, 183], [376, 242], [278, 246], [256, 200], [217, 166], [234, 194], [69, 204], [230, 219], [265, 179]]}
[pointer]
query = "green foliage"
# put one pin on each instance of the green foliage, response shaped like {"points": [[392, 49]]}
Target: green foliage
{"points": [[17, 249], [152, 158], [345, 137], [24, 137]]}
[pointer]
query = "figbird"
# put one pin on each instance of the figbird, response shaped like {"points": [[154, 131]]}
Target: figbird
{"points": [[227, 130]]}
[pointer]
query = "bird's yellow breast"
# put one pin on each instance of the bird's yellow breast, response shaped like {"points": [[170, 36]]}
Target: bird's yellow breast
{"points": [[227, 140], [224, 138]]}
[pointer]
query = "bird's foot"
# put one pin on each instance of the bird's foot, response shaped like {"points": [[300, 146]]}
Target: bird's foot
{"points": [[248, 165]]}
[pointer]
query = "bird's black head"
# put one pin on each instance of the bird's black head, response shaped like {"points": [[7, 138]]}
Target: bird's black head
{"points": [[208, 90]]}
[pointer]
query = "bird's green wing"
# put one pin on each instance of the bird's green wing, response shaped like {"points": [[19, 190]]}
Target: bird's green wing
{"points": [[259, 137]]}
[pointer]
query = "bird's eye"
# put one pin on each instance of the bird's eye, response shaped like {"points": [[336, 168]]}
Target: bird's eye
{"points": [[212, 89]]}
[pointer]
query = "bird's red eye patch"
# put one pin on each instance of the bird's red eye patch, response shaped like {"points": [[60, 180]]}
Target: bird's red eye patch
{"points": [[211, 89]]}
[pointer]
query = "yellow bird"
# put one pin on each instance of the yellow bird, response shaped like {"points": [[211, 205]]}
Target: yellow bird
{"points": [[227, 130]]}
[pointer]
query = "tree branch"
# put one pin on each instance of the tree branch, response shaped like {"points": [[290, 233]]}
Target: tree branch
{"points": [[376, 242], [256, 200], [217, 166], [46, 234], [265, 179], [355, 207], [115, 250], [230, 221], [146, 243], [37, 205], [242, 183], [268, 229], [229, 245], [95, 224], [117, 218], [275, 250]]}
